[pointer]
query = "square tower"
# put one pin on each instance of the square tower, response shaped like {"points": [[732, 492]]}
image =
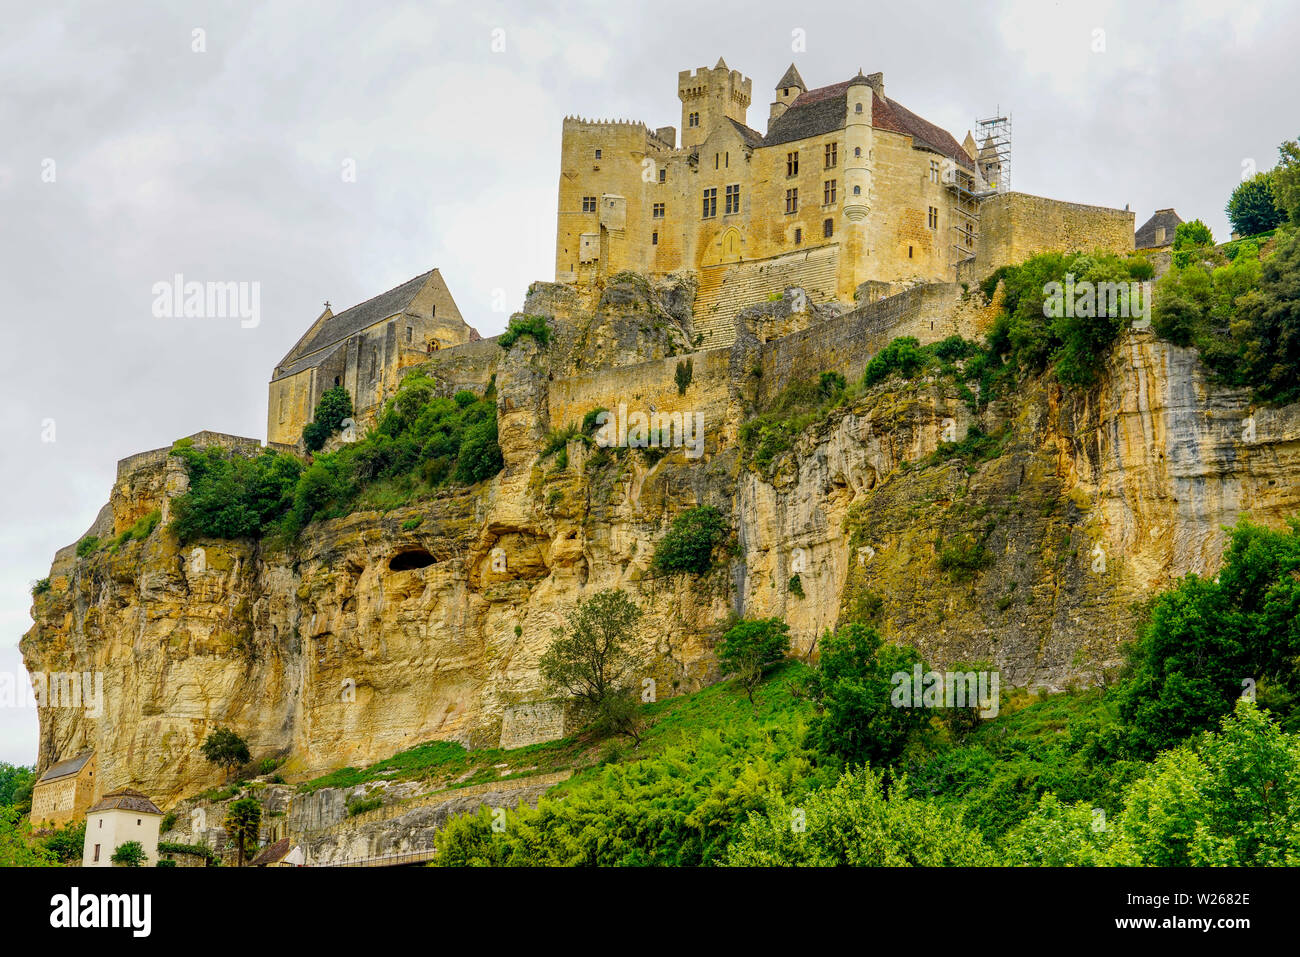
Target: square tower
{"points": [[709, 98]]}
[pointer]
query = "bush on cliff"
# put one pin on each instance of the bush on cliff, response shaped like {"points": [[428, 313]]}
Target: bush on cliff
{"points": [[232, 495], [334, 407], [1208, 642], [525, 325], [689, 543]]}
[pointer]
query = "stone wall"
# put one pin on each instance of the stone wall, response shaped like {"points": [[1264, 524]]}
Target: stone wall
{"points": [[531, 724], [1015, 226]]}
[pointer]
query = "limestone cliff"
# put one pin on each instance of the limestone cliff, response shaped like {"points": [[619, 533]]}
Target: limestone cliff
{"points": [[375, 632]]}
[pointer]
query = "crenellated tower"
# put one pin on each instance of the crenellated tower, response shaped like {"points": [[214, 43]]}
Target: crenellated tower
{"points": [[710, 97]]}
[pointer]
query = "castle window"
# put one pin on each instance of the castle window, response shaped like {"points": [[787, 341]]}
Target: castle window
{"points": [[792, 164], [857, 151], [654, 238], [433, 310], [589, 204], [857, 107], [832, 155], [798, 236], [933, 221], [410, 333], [693, 119], [828, 228], [597, 154], [785, 91], [828, 192], [934, 171], [96, 857], [663, 175], [733, 199], [336, 380], [792, 200], [857, 190], [909, 252], [717, 160], [658, 211], [710, 203]]}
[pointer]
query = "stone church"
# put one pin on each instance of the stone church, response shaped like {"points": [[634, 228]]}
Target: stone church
{"points": [[363, 349]]}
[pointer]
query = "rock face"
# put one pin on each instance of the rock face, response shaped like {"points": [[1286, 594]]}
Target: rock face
{"points": [[375, 632]]}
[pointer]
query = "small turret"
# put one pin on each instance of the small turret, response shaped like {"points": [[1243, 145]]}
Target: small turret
{"points": [[788, 88]]}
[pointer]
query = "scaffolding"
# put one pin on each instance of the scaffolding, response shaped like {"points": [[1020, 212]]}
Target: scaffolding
{"points": [[967, 188]]}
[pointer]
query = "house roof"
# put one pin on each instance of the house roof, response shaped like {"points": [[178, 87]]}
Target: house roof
{"points": [[791, 78], [823, 110], [1145, 237], [361, 316], [63, 768], [273, 853], [126, 799], [751, 137]]}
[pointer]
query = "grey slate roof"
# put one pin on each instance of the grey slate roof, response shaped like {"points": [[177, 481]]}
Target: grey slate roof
{"points": [[791, 78], [823, 110], [63, 768], [358, 317], [751, 137], [125, 799], [1145, 237]]}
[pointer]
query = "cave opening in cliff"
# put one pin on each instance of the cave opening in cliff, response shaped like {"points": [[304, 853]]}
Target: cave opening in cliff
{"points": [[405, 561]]}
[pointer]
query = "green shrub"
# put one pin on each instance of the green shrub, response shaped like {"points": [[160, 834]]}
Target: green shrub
{"points": [[902, 357], [795, 586], [334, 406], [689, 543], [87, 545], [411, 524], [40, 586], [525, 325], [751, 647], [1252, 207], [232, 494], [362, 805]]}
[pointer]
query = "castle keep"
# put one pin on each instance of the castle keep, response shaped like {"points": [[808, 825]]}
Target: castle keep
{"points": [[846, 186]]}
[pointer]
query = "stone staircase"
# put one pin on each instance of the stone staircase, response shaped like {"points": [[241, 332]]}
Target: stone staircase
{"points": [[726, 289]]}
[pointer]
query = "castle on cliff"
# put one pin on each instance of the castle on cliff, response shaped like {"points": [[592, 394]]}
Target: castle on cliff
{"points": [[846, 186]]}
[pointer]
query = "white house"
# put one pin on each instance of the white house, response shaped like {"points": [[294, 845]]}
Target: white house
{"points": [[123, 815]]}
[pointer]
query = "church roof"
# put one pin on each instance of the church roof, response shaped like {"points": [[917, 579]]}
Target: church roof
{"points": [[62, 769], [791, 78], [350, 321], [1145, 238], [125, 799], [823, 110]]}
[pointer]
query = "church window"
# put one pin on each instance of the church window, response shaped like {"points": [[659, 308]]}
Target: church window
{"points": [[828, 228], [792, 163], [733, 199], [658, 210], [828, 192], [410, 333], [710, 203], [933, 220], [589, 204], [792, 200], [832, 155]]}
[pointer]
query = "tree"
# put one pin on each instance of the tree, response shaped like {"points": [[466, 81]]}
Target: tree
{"points": [[242, 824], [17, 849], [68, 843], [1189, 239], [1270, 326], [334, 406], [851, 688], [16, 785], [1286, 181], [689, 543], [226, 749], [130, 854], [1205, 638], [750, 647], [1253, 208], [593, 658]]}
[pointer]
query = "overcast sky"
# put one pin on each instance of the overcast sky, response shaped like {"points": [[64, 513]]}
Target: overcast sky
{"points": [[128, 156]]}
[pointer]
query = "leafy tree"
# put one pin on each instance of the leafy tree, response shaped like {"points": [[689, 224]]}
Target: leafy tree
{"points": [[233, 495], [17, 849], [480, 454], [130, 854], [1190, 240], [225, 749], [1207, 638], [594, 657], [750, 647], [68, 843], [852, 688], [689, 543], [242, 824], [1286, 181], [13, 779], [855, 824], [1252, 208], [334, 406], [902, 357], [1268, 327]]}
